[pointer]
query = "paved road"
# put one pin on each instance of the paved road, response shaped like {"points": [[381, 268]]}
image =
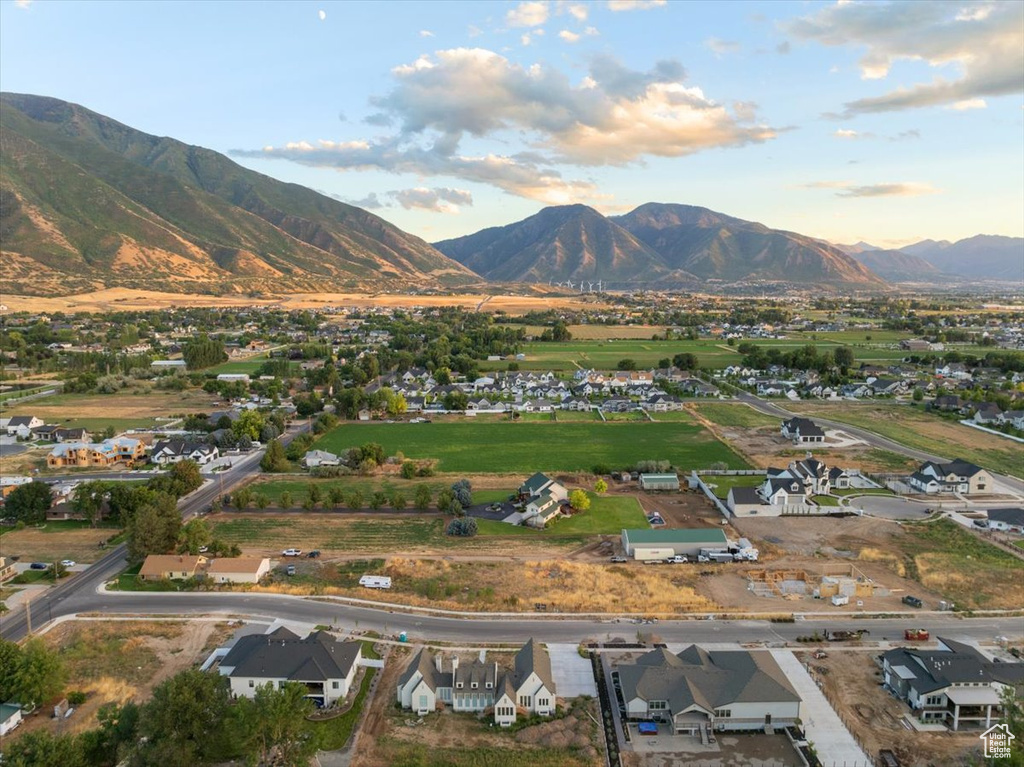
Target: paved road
{"points": [[875, 440]]}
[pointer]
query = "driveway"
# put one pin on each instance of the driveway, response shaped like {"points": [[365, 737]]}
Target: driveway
{"points": [[834, 743], [484, 511], [10, 446], [889, 507], [573, 675]]}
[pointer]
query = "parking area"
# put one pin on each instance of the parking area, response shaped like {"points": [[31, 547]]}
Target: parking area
{"points": [[573, 675]]}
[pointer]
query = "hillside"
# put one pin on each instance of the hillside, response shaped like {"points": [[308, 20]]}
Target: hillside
{"points": [[715, 246], [982, 257], [570, 242], [87, 202], [897, 266]]}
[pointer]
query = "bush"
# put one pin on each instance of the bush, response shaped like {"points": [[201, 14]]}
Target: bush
{"points": [[465, 527], [76, 697], [601, 468]]}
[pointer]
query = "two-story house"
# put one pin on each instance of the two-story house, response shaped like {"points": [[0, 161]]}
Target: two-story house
{"points": [[956, 476], [802, 431]]}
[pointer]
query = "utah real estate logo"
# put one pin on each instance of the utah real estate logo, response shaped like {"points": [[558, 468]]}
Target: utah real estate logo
{"points": [[997, 741]]}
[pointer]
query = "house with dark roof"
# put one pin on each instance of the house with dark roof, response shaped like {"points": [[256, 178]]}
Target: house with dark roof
{"points": [[542, 498], [321, 663], [170, 451], [954, 685], [956, 476], [1011, 520], [698, 690], [477, 686], [22, 426], [802, 431]]}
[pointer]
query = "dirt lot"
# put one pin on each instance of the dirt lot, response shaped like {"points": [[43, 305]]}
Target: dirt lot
{"points": [[119, 661], [390, 736], [851, 681], [138, 403], [33, 545]]}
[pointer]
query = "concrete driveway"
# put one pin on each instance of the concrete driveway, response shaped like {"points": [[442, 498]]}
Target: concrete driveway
{"points": [[573, 675], [10, 446], [889, 507]]}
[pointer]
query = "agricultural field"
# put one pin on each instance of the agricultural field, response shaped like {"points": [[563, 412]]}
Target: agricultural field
{"points": [[248, 365], [528, 447], [129, 409], [56, 541], [915, 428], [738, 414]]}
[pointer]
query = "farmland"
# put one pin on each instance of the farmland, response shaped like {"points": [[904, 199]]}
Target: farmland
{"points": [[135, 408], [527, 447]]}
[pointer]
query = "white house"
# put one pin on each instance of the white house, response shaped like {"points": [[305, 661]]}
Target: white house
{"points": [[802, 431], [237, 569], [324, 665], [698, 690], [1009, 520], [479, 685], [315, 458], [176, 450], [21, 426], [957, 476]]}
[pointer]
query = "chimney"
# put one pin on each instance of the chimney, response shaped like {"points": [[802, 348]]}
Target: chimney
{"points": [[439, 662]]}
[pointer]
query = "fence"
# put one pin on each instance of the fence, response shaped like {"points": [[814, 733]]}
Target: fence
{"points": [[832, 700], [714, 498]]}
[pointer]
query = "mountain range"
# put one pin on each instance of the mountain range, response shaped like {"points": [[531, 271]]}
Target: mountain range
{"points": [[666, 245], [87, 202]]}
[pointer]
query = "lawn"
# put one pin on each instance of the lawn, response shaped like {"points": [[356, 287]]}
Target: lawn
{"points": [[528, 447], [863, 491], [724, 483], [577, 415], [335, 733], [607, 515], [825, 500], [735, 415], [915, 428], [955, 562]]}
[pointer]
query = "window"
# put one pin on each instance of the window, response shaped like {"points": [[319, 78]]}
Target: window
{"points": [[334, 685], [458, 685], [657, 705], [723, 713], [423, 702], [474, 685], [252, 683], [542, 702], [933, 700]]}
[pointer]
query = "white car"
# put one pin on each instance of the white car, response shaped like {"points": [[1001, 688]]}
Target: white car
{"points": [[67, 563], [292, 553]]}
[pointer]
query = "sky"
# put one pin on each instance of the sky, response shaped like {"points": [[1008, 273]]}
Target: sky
{"points": [[883, 122]]}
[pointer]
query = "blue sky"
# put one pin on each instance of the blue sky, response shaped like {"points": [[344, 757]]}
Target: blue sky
{"points": [[846, 121]]}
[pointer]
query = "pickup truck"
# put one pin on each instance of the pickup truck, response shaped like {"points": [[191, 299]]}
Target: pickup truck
{"points": [[912, 601], [678, 559]]}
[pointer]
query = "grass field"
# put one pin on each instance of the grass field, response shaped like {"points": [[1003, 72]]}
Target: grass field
{"points": [[723, 484], [529, 447], [915, 428], [135, 406], [735, 415]]}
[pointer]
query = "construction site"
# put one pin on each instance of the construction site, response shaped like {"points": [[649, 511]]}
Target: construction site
{"points": [[841, 583]]}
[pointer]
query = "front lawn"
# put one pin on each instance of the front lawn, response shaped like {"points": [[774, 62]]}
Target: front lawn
{"points": [[724, 483]]}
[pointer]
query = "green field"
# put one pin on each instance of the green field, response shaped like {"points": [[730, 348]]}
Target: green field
{"points": [[504, 447], [724, 483], [735, 415]]}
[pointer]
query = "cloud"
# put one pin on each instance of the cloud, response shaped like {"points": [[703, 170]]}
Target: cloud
{"points": [[426, 33], [980, 44], [532, 13], [614, 116], [370, 202], [591, 32], [438, 199], [635, 5], [849, 189], [721, 47], [473, 31], [569, 37], [907, 135], [578, 11], [966, 104], [526, 39], [322, 15]]}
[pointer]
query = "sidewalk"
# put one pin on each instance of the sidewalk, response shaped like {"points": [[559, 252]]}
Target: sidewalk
{"points": [[833, 742]]}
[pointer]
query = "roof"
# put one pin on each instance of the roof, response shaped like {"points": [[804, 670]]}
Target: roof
{"points": [[316, 658], [706, 679], [534, 484], [932, 670], [1013, 517], [534, 659], [20, 420], [424, 663], [660, 477], [8, 710], [697, 535], [250, 565], [158, 564], [957, 466], [180, 447], [745, 495]]}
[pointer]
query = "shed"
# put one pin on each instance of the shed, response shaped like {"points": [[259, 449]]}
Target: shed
{"points": [[658, 544], [659, 481]]}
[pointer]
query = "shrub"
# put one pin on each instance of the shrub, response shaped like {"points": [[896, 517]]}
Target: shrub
{"points": [[76, 697], [465, 527]]}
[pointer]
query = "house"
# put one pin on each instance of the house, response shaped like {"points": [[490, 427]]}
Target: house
{"points": [[321, 663], [802, 431], [21, 426], [957, 476], [661, 544], [71, 435], [170, 451], [954, 685], [698, 691], [106, 453], [1014, 418], [314, 458], [816, 477], [169, 567], [238, 569], [539, 483], [477, 686], [988, 413], [216, 416], [45, 433], [10, 717], [7, 570], [542, 509], [915, 345], [1011, 520], [747, 502], [947, 403], [659, 482]]}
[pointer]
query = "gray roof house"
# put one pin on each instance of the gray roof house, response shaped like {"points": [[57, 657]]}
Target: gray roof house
{"points": [[700, 690], [802, 431], [954, 685], [478, 685], [324, 665], [1006, 519]]}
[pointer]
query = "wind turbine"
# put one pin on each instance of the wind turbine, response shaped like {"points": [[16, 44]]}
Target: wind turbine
{"points": [[591, 288], [569, 284]]}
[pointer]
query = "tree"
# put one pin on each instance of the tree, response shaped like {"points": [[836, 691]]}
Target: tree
{"points": [[579, 500], [373, 452], [408, 470], [195, 535], [154, 529], [10, 658], [463, 492], [274, 460], [261, 501], [184, 722], [377, 500], [117, 732], [203, 352], [626, 364], [29, 503], [42, 749], [445, 499], [600, 486], [181, 479], [560, 332], [455, 400], [455, 508], [396, 404], [397, 499], [314, 494], [918, 395], [271, 726], [285, 499], [87, 499], [335, 496], [423, 497], [125, 499], [843, 357], [355, 500], [39, 674], [249, 424], [465, 527], [686, 361]]}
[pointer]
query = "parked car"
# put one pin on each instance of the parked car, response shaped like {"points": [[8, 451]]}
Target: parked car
{"points": [[292, 553], [618, 560], [314, 554], [982, 523], [290, 570], [39, 566], [912, 601], [678, 559], [67, 563]]}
